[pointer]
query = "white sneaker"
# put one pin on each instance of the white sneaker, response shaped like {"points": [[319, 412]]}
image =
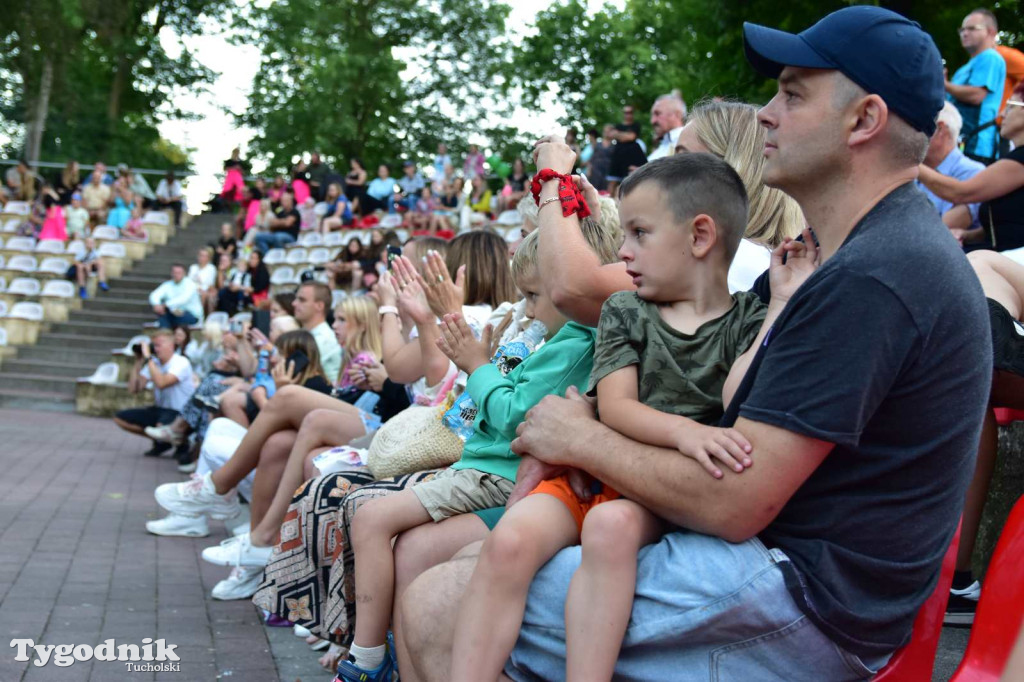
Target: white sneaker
{"points": [[241, 584], [300, 631], [165, 434], [179, 525], [197, 496], [238, 551]]}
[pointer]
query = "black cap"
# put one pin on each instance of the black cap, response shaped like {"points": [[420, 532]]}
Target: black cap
{"points": [[885, 53]]}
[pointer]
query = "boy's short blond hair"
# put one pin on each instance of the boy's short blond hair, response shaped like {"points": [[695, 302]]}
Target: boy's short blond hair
{"points": [[604, 239]]}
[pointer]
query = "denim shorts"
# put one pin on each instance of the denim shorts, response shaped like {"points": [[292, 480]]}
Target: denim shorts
{"points": [[704, 609]]}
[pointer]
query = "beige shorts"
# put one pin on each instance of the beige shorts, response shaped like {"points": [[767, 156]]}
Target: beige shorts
{"points": [[462, 491]]}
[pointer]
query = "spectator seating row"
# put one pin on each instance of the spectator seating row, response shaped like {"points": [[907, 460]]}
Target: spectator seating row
{"points": [[57, 296], [16, 254]]}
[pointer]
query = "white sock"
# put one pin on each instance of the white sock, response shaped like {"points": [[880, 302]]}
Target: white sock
{"points": [[368, 658]]}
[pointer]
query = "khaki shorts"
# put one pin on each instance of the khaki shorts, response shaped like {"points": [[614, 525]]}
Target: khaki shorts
{"points": [[462, 491]]}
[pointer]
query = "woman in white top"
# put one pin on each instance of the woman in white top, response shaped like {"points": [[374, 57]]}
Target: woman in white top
{"points": [[204, 274]]}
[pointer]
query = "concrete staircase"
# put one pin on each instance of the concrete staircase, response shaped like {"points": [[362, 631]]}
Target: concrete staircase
{"points": [[43, 376]]}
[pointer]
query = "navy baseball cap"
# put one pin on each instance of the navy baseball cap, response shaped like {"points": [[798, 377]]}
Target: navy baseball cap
{"points": [[885, 53]]}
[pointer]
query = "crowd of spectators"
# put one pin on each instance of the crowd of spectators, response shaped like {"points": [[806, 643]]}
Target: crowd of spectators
{"points": [[429, 485]]}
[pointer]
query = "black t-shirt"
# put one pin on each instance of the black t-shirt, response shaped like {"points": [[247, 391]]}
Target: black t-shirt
{"points": [[293, 229], [1003, 218], [885, 352]]}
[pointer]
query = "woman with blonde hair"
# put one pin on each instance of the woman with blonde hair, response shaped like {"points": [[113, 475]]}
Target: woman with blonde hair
{"points": [[730, 131]]}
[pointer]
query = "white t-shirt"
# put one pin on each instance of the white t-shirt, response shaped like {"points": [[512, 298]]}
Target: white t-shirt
{"points": [[204, 276], [750, 263], [173, 397]]}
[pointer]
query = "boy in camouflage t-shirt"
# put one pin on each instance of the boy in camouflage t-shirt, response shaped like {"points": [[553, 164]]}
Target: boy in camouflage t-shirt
{"points": [[662, 356]]}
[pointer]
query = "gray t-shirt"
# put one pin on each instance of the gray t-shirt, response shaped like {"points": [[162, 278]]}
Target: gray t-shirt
{"points": [[678, 373], [885, 351]]}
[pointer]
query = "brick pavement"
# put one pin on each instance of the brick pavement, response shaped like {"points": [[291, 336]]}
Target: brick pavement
{"points": [[77, 565]]}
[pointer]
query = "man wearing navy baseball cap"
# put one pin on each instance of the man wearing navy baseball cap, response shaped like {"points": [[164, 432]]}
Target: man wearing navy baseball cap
{"points": [[812, 563]]}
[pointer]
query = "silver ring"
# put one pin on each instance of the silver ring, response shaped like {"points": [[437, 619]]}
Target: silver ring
{"points": [[440, 278]]}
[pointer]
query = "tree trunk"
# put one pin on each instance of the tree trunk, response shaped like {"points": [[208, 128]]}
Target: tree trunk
{"points": [[40, 111]]}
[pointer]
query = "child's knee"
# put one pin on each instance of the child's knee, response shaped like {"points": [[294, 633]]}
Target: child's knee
{"points": [[610, 529], [369, 522], [508, 549]]}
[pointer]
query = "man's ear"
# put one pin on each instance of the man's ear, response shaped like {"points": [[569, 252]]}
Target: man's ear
{"points": [[870, 116], [703, 235]]}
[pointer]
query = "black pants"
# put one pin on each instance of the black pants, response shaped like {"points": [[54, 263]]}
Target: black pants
{"points": [[174, 206], [147, 416]]}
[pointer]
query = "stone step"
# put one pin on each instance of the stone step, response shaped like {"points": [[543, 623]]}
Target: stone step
{"points": [[22, 399], [48, 367], [106, 329], [64, 386], [124, 304], [89, 357], [103, 317], [80, 342]]}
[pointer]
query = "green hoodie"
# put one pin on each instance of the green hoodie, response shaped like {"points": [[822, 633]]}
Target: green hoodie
{"points": [[503, 401]]}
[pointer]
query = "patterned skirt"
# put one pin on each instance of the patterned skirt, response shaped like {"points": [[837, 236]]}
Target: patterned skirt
{"points": [[311, 578]]}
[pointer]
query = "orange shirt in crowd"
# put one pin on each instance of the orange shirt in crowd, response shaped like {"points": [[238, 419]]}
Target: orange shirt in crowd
{"points": [[1014, 71]]}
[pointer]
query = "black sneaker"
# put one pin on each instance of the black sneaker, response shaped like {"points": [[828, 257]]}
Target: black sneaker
{"points": [[157, 449], [962, 605]]}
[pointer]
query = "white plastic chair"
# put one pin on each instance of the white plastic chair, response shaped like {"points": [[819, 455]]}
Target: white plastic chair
{"points": [[3, 313], [127, 350], [320, 210], [20, 244], [76, 249], [3, 335], [156, 218], [274, 257], [26, 310], [11, 225], [3, 282], [362, 235], [323, 276], [319, 256], [50, 246], [297, 256], [242, 317], [17, 208], [390, 221], [58, 288], [283, 275], [23, 264], [25, 286], [337, 296], [105, 233], [219, 318], [402, 234], [2, 261], [111, 250], [55, 266], [311, 239], [106, 374]]}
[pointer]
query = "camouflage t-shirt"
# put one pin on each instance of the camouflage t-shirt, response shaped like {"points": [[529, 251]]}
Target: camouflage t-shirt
{"points": [[678, 373]]}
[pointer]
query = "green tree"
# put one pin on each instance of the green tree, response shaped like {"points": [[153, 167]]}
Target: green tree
{"points": [[381, 80]]}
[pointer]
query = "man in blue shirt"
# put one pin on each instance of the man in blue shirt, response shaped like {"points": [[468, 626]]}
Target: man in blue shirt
{"points": [[945, 157], [411, 183], [977, 86]]}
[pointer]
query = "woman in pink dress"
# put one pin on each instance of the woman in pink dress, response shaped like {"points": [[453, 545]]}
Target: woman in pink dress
{"points": [[300, 183], [54, 226], [234, 182]]}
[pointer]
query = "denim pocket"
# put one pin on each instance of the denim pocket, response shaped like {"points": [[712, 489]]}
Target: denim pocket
{"points": [[798, 652]]}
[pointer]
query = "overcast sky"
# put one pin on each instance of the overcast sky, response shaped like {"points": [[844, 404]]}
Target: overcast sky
{"points": [[215, 134]]}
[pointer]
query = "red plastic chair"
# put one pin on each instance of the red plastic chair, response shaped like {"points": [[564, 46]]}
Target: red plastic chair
{"points": [[997, 621], [914, 662], [1007, 415]]}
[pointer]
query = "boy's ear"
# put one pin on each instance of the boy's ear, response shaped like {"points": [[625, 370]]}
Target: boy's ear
{"points": [[703, 235]]}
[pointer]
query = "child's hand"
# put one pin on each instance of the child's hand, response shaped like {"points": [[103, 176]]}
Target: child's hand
{"points": [[801, 260], [702, 443], [459, 344]]}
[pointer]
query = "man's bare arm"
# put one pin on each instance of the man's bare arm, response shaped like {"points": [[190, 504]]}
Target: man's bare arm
{"points": [[968, 94], [735, 508]]}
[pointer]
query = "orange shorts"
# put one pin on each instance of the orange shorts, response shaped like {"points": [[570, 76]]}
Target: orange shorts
{"points": [[560, 489]]}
